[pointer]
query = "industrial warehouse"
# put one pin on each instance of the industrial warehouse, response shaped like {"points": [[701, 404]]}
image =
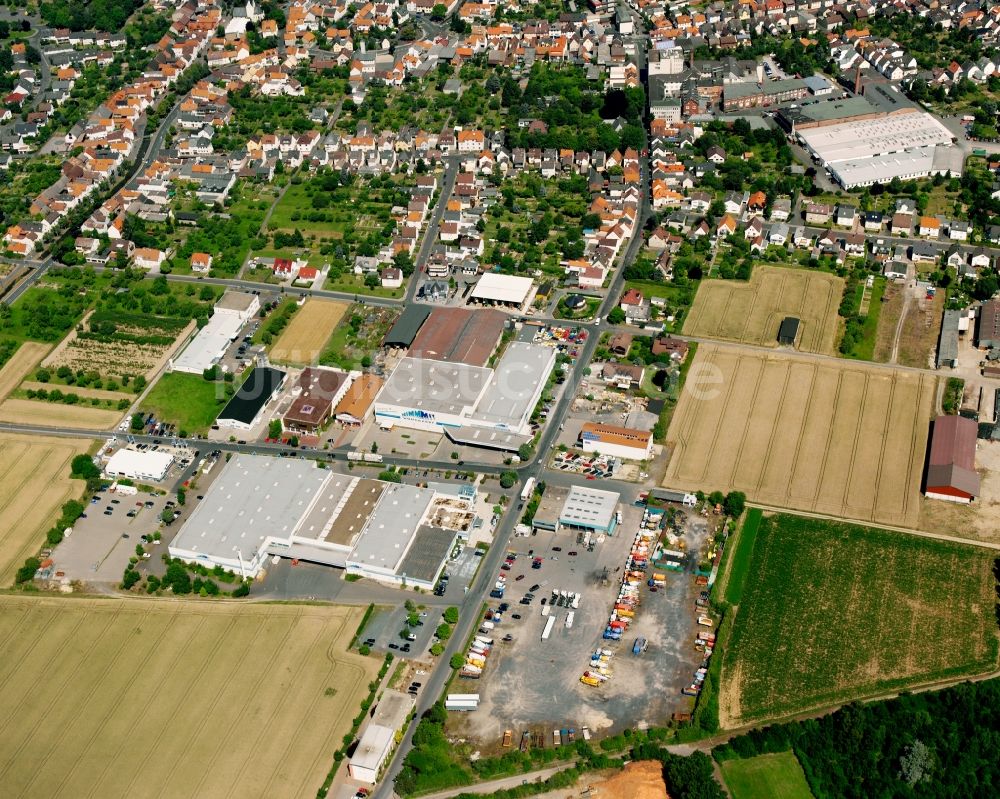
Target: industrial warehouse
{"points": [[262, 506], [437, 395], [232, 311], [863, 142]]}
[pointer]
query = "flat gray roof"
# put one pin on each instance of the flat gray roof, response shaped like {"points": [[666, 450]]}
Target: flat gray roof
{"points": [[384, 541], [550, 507], [252, 498], [516, 384], [428, 551], [435, 386], [590, 507]]}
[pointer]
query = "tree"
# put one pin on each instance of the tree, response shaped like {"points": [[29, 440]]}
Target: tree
{"points": [[372, 280], [616, 316], [507, 478], [138, 422], [439, 12], [274, 429], [451, 615], [166, 516], [734, 504], [916, 764], [443, 632], [181, 496], [457, 661], [83, 467]]}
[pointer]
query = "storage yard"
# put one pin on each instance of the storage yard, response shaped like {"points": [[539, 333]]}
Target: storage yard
{"points": [[844, 439], [30, 498], [751, 313], [306, 336], [831, 611], [249, 700], [524, 669]]}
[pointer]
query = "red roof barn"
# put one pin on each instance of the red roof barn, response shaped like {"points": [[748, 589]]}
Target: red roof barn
{"points": [[951, 465]]}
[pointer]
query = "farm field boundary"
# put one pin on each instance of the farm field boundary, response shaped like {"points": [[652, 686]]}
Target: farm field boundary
{"points": [[27, 356], [52, 414], [30, 497], [250, 700], [751, 312], [872, 611], [825, 436]]}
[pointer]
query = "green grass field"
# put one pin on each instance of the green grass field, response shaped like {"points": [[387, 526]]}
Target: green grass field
{"points": [[777, 776], [864, 350], [830, 612], [740, 557], [189, 401]]}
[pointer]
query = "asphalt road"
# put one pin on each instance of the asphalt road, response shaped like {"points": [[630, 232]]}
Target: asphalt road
{"points": [[474, 600]]}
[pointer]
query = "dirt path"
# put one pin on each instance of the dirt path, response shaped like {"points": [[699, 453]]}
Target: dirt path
{"points": [[907, 301]]}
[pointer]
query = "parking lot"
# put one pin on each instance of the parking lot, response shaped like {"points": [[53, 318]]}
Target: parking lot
{"points": [[526, 681], [104, 540]]}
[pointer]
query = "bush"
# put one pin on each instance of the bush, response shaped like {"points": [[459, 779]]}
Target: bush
{"points": [[27, 572], [507, 478]]}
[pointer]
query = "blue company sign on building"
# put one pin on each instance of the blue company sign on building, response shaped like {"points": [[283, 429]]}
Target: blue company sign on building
{"points": [[420, 416]]}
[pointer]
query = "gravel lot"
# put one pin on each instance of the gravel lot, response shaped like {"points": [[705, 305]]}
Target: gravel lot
{"points": [[535, 684]]}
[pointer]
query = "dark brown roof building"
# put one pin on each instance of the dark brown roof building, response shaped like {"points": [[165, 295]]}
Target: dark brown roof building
{"points": [[951, 465], [321, 389], [988, 325], [463, 335]]}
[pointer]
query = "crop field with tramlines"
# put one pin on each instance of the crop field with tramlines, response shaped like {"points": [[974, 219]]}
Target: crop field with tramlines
{"points": [[831, 612]]}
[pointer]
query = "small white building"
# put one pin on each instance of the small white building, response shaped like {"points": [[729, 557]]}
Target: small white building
{"points": [[135, 465], [379, 736]]}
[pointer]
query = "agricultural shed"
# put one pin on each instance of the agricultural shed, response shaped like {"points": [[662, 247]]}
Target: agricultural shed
{"points": [[788, 332], [947, 354], [988, 327], [402, 333], [951, 464]]}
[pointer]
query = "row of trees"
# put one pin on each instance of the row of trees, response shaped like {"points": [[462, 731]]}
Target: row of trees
{"points": [[935, 744]]}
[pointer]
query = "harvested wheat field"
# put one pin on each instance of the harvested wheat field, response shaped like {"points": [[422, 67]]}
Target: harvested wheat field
{"points": [[27, 357], [55, 414], [839, 438], [306, 335], [30, 497], [752, 312], [154, 698]]}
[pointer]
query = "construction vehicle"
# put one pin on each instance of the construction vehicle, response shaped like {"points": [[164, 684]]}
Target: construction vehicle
{"points": [[589, 679], [508, 737]]}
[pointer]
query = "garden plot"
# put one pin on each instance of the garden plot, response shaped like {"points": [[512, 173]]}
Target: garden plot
{"points": [[113, 344]]}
